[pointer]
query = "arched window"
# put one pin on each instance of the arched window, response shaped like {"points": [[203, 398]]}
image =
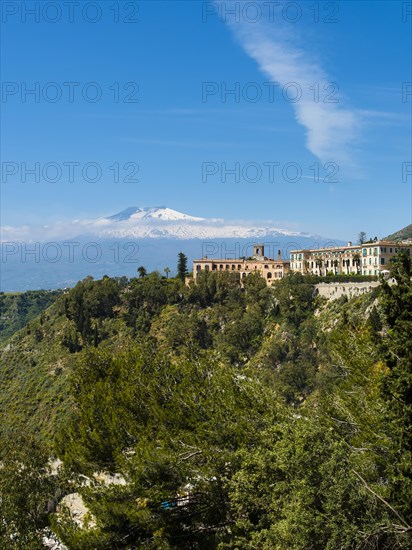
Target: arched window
{"points": [[269, 275]]}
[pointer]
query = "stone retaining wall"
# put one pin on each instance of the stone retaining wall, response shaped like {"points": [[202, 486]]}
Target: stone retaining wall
{"points": [[333, 291]]}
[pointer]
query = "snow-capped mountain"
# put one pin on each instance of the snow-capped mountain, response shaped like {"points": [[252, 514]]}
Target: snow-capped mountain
{"points": [[156, 222], [162, 222], [152, 213], [60, 254]]}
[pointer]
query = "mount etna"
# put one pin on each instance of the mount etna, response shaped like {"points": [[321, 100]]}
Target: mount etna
{"points": [[58, 255]]}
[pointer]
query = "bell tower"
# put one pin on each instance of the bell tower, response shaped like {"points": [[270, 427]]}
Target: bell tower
{"points": [[259, 251]]}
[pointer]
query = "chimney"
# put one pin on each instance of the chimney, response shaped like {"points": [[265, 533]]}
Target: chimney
{"points": [[279, 254], [349, 243]]}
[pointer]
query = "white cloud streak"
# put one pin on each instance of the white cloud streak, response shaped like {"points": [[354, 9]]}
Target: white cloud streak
{"points": [[331, 129]]}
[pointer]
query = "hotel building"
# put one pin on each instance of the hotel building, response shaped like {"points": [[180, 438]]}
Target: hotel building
{"points": [[365, 259], [268, 268]]}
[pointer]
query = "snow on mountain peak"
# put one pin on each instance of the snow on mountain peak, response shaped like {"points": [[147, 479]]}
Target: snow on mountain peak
{"points": [[158, 213], [162, 222], [154, 222]]}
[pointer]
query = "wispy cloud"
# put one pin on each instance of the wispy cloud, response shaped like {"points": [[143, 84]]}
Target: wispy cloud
{"points": [[331, 128]]}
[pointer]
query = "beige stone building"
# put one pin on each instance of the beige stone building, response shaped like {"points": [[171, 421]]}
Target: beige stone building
{"points": [[370, 258], [268, 268]]}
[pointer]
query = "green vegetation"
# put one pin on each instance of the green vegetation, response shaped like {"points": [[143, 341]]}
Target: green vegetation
{"points": [[238, 417], [402, 234], [182, 266], [18, 309], [362, 237]]}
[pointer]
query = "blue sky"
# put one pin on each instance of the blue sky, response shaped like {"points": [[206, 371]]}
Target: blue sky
{"points": [[177, 59]]}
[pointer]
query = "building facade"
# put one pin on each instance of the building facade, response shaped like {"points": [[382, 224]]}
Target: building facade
{"points": [[370, 258], [268, 268]]}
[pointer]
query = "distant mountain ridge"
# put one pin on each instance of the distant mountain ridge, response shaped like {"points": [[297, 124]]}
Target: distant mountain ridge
{"points": [[162, 222], [402, 234], [152, 222]]}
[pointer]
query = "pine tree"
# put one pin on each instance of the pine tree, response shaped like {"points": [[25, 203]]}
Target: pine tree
{"points": [[182, 266]]}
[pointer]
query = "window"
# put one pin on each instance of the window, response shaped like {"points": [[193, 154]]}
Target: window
{"points": [[291, 257], [198, 267], [221, 266], [266, 267], [233, 267], [269, 275], [382, 261], [376, 261], [364, 251], [370, 261], [390, 250]]}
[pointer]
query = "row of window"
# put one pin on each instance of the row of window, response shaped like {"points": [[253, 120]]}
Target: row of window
{"points": [[372, 251], [375, 262], [233, 267], [240, 267]]}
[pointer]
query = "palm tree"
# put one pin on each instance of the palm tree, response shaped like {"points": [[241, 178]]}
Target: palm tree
{"points": [[319, 264], [167, 271], [142, 271], [357, 260]]}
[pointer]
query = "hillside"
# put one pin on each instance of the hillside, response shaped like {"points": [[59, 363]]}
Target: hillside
{"points": [[110, 314], [402, 234], [235, 417], [18, 309]]}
